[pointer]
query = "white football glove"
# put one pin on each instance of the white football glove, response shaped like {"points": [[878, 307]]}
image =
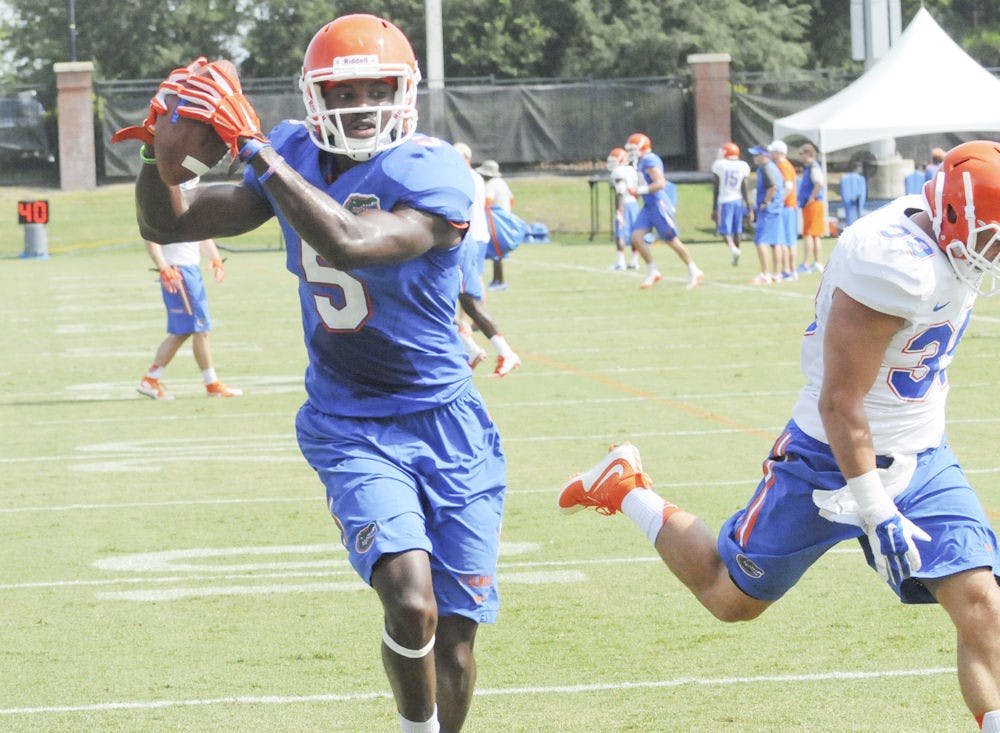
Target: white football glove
{"points": [[866, 502]]}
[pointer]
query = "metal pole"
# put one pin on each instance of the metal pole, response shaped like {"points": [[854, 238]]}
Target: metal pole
{"points": [[435, 65], [72, 30]]}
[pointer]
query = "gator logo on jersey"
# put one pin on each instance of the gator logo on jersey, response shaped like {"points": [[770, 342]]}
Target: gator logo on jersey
{"points": [[749, 567], [358, 202], [366, 538]]}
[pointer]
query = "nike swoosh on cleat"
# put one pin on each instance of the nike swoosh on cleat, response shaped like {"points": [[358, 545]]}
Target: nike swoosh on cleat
{"points": [[939, 306], [615, 471]]}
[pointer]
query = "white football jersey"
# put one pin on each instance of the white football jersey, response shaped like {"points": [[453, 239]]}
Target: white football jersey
{"points": [[731, 174], [182, 253], [889, 264], [625, 180]]}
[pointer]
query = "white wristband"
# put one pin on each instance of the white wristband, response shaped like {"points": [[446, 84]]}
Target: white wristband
{"points": [[642, 190], [873, 503], [501, 345]]}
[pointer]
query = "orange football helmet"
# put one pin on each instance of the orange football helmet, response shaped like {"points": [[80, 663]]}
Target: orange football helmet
{"points": [[638, 145], [964, 202], [730, 150], [360, 47], [617, 157]]}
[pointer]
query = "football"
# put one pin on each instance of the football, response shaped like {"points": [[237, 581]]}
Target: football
{"points": [[187, 148]]}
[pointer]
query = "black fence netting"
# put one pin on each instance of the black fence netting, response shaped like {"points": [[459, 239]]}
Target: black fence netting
{"points": [[524, 125]]}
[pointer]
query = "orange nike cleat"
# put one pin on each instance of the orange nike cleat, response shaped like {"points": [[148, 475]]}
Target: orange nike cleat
{"points": [[218, 389], [604, 486], [152, 388]]}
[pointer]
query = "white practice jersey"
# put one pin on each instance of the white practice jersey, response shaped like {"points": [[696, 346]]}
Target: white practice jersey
{"points": [[479, 228], [498, 192], [180, 254], [887, 263], [731, 174], [625, 180]]}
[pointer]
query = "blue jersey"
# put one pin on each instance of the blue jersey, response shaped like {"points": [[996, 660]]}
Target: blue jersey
{"points": [[656, 199], [770, 175], [808, 184], [381, 340]]}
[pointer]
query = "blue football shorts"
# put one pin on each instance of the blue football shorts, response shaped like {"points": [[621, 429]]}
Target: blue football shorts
{"points": [[768, 545], [768, 227], [730, 218], [433, 480], [187, 309], [657, 217], [623, 228], [789, 225]]}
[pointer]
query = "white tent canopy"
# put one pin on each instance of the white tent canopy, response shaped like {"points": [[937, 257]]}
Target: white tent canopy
{"points": [[925, 84]]}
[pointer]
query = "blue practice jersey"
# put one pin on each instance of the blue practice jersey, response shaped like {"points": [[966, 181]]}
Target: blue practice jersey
{"points": [[656, 199], [381, 340]]}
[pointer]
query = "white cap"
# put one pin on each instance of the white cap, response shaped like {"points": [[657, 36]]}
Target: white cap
{"points": [[778, 146]]}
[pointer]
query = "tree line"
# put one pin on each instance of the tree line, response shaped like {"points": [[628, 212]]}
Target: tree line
{"points": [[503, 39]]}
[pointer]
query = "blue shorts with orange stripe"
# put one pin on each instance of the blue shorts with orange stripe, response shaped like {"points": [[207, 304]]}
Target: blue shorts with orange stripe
{"points": [[769, 545], [187, 309], [657, 216], [433, 480]]}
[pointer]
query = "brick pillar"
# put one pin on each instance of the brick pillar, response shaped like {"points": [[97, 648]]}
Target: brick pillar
{"points": [[712, 105], [77, 157]]}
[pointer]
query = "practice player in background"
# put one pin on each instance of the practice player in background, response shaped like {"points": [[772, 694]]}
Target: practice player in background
{"points": [[183, 290], [864, 456], [624, 182], [372, 215], [730, 197], [470, 298], [657, 213]]}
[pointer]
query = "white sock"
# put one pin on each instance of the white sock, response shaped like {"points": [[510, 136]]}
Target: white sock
{"points": [[209, 375], [155, 371], [620, 261], [428, 726], [651, 268], [693, 268], [645, 509], [991, 722]]}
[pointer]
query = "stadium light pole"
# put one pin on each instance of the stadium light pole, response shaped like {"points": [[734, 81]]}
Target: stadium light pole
{"points": [[72, 30], [435, 64]]}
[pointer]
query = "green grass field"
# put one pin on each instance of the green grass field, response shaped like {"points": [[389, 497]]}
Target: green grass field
{"points": [[172, 565]]}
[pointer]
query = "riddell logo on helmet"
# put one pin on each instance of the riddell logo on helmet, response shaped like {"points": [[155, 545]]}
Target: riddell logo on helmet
{"points": [[356, 60]]}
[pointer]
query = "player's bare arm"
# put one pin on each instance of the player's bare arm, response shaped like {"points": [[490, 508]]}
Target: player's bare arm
{"points": [[854, 346], [218, 210], [657, 179], [344, 239]]}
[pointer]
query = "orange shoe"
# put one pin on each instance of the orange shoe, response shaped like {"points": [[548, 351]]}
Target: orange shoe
{"points": [[218, 389], [650, 281], [152, 388], [605, 485]]}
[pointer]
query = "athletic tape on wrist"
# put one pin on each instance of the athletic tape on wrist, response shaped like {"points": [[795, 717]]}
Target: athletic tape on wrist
{"points": [[402, 650]]}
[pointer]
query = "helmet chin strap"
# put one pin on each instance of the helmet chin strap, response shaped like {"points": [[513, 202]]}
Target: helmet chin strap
{"points": [[970, 211], [938, 213]]}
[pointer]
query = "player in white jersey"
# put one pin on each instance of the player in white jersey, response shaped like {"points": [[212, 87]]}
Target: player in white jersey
{"points": [[864, 456], [183, 290], [730, 197], [624, 181]]}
